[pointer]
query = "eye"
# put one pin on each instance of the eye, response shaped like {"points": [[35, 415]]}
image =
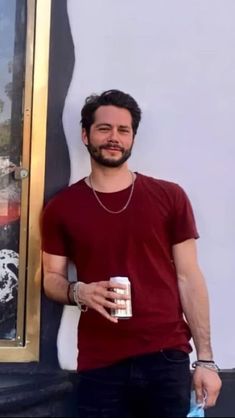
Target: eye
{"points": [[124, 130], [103, 129]]}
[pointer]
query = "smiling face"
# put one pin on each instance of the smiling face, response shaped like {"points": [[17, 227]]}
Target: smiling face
{"points": [[111, 136]]}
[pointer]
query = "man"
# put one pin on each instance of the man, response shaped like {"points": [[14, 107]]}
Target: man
{"points": [[119, 223]]}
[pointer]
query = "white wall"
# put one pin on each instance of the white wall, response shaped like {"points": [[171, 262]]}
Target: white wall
{"points": [[177, 58]]}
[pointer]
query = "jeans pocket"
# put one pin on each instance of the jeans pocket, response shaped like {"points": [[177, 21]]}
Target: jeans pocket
{"points": [[175, 356]]}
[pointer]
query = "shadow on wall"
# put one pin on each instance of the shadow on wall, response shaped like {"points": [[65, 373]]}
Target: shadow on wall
{"points": [[57, 169]]}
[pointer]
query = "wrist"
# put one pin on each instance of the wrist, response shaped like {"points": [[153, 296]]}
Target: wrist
{"points": [[205, 355], [70, 293], [77, 297], [207, 364]]}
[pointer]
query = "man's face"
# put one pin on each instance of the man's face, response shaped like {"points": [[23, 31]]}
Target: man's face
{"points": [[111, 136]]}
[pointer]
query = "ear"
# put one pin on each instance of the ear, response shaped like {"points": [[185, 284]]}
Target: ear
{"points": [[84, 137]]}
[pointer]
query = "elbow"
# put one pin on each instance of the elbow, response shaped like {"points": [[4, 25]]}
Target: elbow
{"points": [[182, 277], [45, 286]]}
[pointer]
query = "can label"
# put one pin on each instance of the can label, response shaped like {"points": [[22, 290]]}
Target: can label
{"points": [[127, 311]]}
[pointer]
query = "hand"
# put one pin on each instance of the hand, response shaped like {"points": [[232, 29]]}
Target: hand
{"points": [[99, 295], [206, 383]]}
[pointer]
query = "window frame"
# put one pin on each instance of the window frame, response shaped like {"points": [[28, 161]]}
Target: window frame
{"points": [[25, 347]]}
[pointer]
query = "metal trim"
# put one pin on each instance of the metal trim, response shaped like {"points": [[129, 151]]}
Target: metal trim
{"points": [[26, 347]]}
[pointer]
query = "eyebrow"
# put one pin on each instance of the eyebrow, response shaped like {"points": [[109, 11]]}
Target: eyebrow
{"points": [[110, 126], [103, 124]]}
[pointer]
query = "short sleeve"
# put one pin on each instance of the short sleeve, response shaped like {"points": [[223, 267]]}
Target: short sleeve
{"points": [[53, 236], [183, 225]]}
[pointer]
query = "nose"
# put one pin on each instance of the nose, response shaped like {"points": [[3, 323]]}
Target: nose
{"points": [[113, 137]]}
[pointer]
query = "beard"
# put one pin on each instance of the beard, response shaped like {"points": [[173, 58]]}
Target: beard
{"points": [[96, 154]]}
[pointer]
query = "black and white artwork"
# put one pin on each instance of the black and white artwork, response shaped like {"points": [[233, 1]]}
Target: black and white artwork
{"points": [[12, 69], [9, 263]]}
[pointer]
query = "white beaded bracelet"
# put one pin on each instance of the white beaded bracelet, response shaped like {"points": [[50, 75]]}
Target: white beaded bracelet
{"points": [[81, 306], [210, 365]]}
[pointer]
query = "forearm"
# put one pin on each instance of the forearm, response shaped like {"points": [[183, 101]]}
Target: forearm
{"points": [[55, 287], [195, 304]]}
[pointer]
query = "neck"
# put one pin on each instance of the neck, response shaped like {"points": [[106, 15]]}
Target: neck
{"points": [[106, 179]]}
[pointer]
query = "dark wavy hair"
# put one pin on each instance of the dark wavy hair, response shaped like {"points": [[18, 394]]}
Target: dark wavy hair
{"points": [[110, 97]]}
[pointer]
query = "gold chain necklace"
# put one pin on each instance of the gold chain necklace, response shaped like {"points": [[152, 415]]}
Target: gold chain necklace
{"points": [[107, 209]]}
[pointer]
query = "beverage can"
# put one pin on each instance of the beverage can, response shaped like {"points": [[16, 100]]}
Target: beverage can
{"points": [[127, 312]]}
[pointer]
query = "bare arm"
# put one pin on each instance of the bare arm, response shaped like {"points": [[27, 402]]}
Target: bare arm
{"points": [[195, 304], [55, 281], [96, 295], [194, 296]]}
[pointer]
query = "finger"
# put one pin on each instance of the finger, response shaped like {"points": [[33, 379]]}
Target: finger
{"points": [[100, 301], [117, 285], [106, 315], [210, 401], [100, 296], [107, 284], [115, 295], [112, 305], [199, 394]]}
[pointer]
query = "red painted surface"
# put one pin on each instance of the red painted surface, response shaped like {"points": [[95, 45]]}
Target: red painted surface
{"points": [[10, 213]]}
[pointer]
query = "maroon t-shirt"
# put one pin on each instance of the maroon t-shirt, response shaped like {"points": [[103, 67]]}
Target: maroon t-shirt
{"points": [[136, 243]]}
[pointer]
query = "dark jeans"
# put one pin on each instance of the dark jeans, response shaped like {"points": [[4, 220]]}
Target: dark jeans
{"points": [[153, 385]]}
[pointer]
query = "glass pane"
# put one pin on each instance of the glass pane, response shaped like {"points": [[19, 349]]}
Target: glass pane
{"points": [[12, 58]]}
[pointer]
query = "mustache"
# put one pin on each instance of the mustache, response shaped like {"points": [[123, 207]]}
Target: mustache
{"points": [[112, 146]]}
